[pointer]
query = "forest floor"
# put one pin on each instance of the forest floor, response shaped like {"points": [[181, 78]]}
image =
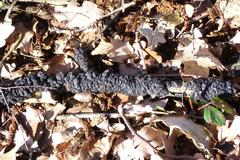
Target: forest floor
{"points": [[176, 39]]}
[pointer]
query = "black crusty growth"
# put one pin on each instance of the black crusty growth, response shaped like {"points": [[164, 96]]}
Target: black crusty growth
{"points": [[87, 79]]}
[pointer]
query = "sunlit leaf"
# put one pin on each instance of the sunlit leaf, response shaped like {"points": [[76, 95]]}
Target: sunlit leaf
{"points": [[213, 115], [221, 104]]}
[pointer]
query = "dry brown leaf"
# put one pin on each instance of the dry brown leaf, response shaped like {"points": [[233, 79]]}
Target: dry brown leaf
{"points": [[229, 137], [11, 155], [230, 132], [26, 44], [74, 16], [124, 98], [121, 50], [104, 125], [200, 136], [21, 138], [153, 36], [45, 97], [83, 97], [189, 10], [59, 63], [230, 10], [134, 148], [6, 29], [33, 118], [61, 137], [192, 68], [7, 71], [154, 54], [198, 51], [53, 111], [103, 146], [104, 47], [236, 38]]}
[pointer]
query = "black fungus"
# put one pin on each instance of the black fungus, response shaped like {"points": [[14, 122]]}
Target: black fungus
{"points": [[89, 80]]}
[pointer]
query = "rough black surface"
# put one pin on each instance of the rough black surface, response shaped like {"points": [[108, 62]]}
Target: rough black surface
{"points": [[88, 80]]}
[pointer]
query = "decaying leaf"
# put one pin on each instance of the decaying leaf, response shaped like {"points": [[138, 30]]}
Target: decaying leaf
{"points": [[230, 131], [189, 9], [83, 97], [154, 54], [197, 50], [228, 135], [153, 36], [7, 71], [59, 63], [223, 105], [199, 135], [33, 118], [135, 148], [192, 68], [236, 38], [104, 47], [6, 29], [11, 155], [121, 50], [44, 97], [81, 17], [103, 146], [230, 10]]}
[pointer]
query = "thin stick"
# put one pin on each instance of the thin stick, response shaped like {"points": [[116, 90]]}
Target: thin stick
{"points": [[120, 111], [15, 118], [6, 18], [33, 86], [12, 48], [5, 101], [51, 2], [90, 115]]}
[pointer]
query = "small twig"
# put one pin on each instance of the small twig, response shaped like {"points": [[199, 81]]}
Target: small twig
{"points": [[51, 2], [35, 86], [120, 111], [90, 115], [15, 118], [12, 48], [6, 18], [204, 106], [5, 101]]}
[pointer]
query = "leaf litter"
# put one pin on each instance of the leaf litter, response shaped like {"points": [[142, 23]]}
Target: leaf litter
{"points": [[183, 39]]}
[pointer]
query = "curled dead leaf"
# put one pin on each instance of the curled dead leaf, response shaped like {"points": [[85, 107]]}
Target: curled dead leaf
{"points": [[199, 135]]}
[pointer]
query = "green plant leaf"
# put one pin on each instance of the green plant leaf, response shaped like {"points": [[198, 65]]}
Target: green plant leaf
{"points": [[213, 115], [221, 104]]}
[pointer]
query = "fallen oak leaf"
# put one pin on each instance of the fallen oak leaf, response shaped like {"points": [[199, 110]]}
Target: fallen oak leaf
{"points": [[199, 135], [154, 54], [154, 36], [74, 16], [131, 147], [192, 68], [33, 118], [197, 50], [6, 29]]}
